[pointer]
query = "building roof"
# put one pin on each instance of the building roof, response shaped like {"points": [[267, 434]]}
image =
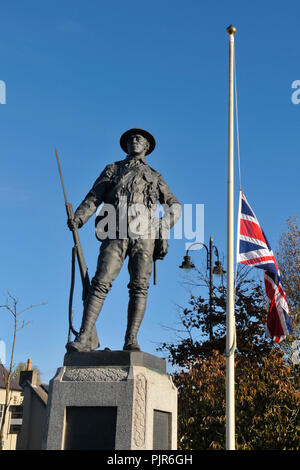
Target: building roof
{"points": [[45, 387], [3, 380], [40, 391]]}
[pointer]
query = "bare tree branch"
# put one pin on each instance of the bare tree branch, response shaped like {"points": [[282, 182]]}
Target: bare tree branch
{"points": [[11, 307]]}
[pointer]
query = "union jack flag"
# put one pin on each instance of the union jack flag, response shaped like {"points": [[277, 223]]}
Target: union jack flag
{"points": [[254, 250]]}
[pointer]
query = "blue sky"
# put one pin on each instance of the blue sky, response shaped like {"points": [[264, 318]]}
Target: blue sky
{"points": [[78, 74]]}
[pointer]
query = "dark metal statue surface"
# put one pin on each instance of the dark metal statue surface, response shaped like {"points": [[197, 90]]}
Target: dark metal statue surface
{"points": [[129, 183]]}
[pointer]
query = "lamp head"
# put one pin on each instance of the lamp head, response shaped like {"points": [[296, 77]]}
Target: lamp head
{"points": [[187, 264], [218, 269]]}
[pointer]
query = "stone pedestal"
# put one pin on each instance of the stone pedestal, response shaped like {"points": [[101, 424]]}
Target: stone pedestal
{"points": [[111, 400]]}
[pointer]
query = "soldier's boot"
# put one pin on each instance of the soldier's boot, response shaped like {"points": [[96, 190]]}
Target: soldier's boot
{"points": [[136, 310], [91, 312]]}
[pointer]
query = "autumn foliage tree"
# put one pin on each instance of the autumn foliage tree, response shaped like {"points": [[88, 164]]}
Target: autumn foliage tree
{"points": [[288, 259], [267, 404], [267, 389], [250, 316]]}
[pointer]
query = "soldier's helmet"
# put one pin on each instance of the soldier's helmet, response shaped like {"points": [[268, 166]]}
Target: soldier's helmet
{"points": [[146, 134]]}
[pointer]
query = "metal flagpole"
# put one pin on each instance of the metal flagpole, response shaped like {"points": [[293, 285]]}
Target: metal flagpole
{"points": [[230, 326]]}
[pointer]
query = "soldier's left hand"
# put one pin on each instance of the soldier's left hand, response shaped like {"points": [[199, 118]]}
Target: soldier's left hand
{"points": [[72, 224]]}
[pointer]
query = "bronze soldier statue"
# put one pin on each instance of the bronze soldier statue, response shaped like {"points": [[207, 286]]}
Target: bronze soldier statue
{"points": [[134, 181]]}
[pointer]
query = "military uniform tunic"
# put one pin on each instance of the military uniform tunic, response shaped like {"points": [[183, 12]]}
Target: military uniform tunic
{"points": [[132, 179]]}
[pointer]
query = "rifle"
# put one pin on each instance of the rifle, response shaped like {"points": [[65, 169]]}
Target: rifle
{"points": [[76, 253]]}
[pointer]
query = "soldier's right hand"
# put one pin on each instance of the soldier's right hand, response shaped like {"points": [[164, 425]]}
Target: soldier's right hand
{"points": [[73, 224]]}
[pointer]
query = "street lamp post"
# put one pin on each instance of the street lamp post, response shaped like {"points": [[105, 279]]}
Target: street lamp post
{"points": [[211, 287], [187, 265]]}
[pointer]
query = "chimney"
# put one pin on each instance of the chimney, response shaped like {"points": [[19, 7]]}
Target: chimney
{"points": [[28, 375]]}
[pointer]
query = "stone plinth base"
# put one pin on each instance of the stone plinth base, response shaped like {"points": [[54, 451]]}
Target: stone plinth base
{"points": [[111, 400]]}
